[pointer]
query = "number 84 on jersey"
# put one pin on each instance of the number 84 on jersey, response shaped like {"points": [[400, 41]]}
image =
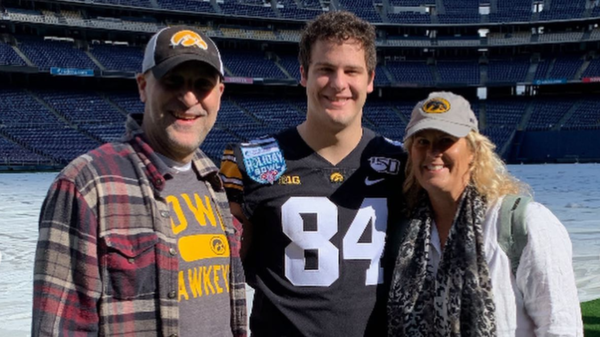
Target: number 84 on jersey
{"points": [[372, 212]]}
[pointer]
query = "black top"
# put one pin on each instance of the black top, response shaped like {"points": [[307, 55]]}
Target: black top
{"points": [[319, 236]]}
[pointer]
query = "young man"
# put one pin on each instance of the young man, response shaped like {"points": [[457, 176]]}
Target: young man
{"points": [[136, 237], [315, 199]]}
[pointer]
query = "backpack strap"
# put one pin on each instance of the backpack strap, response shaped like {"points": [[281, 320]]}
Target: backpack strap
{"points": [[512, 229]]}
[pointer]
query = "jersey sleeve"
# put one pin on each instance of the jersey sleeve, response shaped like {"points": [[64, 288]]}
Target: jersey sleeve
{"points": [[232, 176]]}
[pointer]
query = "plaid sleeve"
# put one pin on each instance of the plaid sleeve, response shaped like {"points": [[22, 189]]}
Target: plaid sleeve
{"points": [[66, 282], [232, 176]]}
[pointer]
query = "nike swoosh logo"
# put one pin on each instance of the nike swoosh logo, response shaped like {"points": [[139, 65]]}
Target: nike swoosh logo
{"points": [[370, 182]]}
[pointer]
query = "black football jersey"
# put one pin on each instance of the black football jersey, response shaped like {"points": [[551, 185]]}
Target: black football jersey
{"points": [[318, 233]]}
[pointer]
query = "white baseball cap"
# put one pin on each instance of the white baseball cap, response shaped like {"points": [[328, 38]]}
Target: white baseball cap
{"points": [[443, 111]]}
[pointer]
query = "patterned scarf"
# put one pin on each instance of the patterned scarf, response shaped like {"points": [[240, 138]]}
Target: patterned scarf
{"points": [[459, 300]]}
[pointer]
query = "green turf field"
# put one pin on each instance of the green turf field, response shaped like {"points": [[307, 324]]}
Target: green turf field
{"points": [[591, 318]]}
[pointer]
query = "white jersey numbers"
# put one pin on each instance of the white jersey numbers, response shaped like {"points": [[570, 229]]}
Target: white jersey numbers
{"points": [[293, 226], [373, 212]]}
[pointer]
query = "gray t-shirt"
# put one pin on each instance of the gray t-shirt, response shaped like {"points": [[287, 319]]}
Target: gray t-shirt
{"points": [[204, 301]]}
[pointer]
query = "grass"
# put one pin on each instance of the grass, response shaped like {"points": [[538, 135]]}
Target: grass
{"points": [[591, 318]]}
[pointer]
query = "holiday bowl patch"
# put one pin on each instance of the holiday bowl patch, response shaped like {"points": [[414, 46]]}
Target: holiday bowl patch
{"points": [[263, 160]]}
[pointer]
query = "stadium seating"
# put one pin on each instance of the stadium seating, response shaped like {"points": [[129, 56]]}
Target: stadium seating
{"points": [[127, 101], [291, 65], [547, 113], [561, 37], [410, 72], [73, 18], [502, 118], [508, 70], [383, 118], [499, 135], [509, 38], [214, 143], [565, 67], [364, 9], [408, 41], [412, 56], [14, 154], [411, 3], [105, 133], [238, 8], [405, 107], [271, 112], [232, 116], [250, 63], [9, 57], [460, 11], [82, 107], [289, 10], [114, 57], [409, 17], [586, 117], [25, 15], [60, 144], [541, 72], [463, 41], [512, 11], [49, 53], [127, 3], [595, 11], [593, 69], [19, 108], [381, 78], [505, 112], [562, 10], [288, 35], [187, 5], [464, 72]]}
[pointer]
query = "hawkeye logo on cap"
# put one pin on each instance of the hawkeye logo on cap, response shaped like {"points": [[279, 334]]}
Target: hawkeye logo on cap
{"points": [[188, 38], [436, 106]]}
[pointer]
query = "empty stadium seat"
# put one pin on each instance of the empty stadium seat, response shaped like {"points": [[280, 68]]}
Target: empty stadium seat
{"points": [[9, 57], [123, 58], [49, 53], [251, 64]]}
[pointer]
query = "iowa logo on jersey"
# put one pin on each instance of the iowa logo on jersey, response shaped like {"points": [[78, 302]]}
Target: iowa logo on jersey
{"points": [[188, 38], [336, 177], [436, 106]]}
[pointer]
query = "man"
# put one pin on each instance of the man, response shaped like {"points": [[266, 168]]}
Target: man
{"points": [[314, 199], [136, 237]]}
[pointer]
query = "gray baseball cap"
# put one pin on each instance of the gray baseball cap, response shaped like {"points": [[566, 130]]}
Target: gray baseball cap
{"points": [[443, 111], [171, 46]]}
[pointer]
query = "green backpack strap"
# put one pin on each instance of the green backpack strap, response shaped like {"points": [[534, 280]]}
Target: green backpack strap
{"points": [[512, 229]]}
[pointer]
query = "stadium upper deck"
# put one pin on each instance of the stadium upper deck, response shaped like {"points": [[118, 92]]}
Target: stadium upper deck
{"points": [[279, 65], [422, 44], [432, 12]]}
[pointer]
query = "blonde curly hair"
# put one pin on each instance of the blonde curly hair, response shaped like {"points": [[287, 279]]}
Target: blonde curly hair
{"points": [[488, 172]]}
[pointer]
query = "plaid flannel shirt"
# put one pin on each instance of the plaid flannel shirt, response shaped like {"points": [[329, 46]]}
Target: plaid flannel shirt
{"points": [[106, 261]]}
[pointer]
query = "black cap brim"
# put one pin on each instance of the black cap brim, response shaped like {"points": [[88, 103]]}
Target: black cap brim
{"points": [[164, 67]]}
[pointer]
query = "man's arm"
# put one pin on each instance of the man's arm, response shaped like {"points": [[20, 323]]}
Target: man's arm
{"points": [[234, 186], [236, 211], [66, 280]]}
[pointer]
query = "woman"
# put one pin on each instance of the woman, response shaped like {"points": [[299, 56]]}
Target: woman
{"points": [[451, 277]]}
